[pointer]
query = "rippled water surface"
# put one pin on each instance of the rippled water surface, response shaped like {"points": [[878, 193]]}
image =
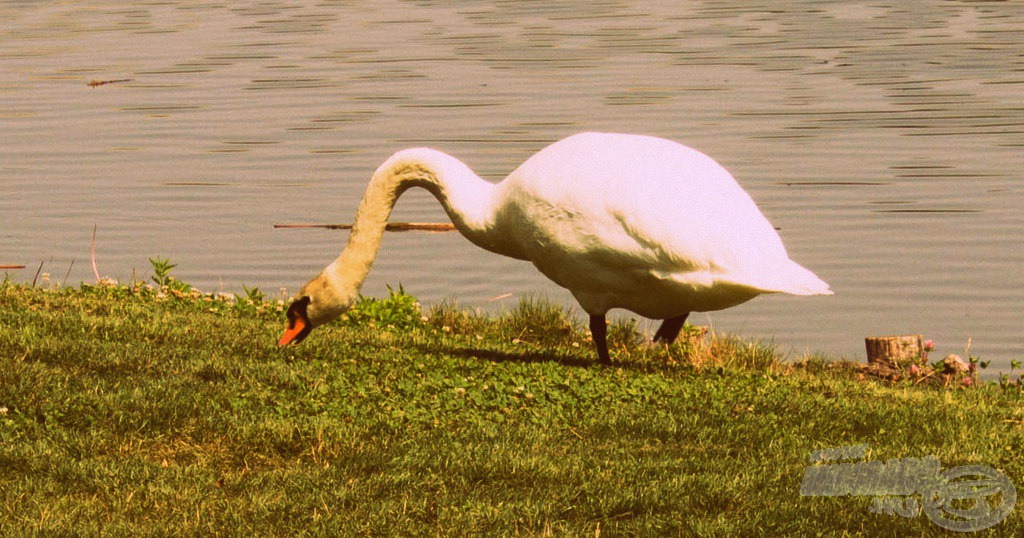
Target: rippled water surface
{"points": [[885, 139]]}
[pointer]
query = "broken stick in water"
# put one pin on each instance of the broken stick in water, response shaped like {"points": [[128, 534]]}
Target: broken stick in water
{"points": [[391, 226], [94, 83]]}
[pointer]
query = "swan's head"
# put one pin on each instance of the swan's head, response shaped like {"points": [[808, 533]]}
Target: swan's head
{"points": [[318, 302]]}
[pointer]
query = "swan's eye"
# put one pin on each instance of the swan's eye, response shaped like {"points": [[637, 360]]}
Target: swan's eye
{"points": [[297, 310]]}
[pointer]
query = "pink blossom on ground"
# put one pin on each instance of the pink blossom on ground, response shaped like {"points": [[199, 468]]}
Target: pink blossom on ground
{"points": [[968, 381], [929, 345]]}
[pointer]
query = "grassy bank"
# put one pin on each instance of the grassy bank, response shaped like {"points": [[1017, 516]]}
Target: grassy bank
{"points": [[128, 412]]}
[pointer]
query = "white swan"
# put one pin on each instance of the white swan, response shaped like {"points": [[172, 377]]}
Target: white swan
{"points": [[621, 221]]}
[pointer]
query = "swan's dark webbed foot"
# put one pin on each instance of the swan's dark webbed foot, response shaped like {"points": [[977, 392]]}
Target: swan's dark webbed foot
{"points": [[599, 331], [669, 330]]}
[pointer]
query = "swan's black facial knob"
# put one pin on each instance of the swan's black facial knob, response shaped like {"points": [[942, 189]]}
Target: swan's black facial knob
{"points": [[299, 326]]}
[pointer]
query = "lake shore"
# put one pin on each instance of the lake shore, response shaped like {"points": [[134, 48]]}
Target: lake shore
{"points": [[127, 410]]}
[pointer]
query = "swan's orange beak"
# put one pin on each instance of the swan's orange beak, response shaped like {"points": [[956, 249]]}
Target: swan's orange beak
{"points": [[299, 326]]}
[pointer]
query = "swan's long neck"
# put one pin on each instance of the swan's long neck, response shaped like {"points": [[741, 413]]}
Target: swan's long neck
{"points": [[467, 198]]}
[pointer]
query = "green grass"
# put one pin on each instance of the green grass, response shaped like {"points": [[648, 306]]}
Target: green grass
{"points": [[128, 412]]}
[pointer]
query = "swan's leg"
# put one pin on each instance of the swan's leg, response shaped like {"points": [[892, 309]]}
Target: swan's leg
{"points": [[670, 328], [599, 331]]}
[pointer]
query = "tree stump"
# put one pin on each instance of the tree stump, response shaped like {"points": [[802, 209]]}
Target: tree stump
{"points": [[894, 351]]}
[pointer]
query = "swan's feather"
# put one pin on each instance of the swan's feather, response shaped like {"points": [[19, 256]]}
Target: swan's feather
{"points": [[628, 221]]}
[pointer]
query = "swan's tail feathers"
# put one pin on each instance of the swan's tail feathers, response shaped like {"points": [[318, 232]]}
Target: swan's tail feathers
{"points": [[798, 280]]}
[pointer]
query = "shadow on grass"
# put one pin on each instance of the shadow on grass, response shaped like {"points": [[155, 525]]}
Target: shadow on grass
{"points": [[497, 356], [555, 356]]}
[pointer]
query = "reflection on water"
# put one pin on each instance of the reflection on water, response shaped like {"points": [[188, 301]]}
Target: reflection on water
{"points": [[883, 138]]}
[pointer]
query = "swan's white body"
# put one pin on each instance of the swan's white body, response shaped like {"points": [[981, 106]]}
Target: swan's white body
{"points": [[621, 221]]}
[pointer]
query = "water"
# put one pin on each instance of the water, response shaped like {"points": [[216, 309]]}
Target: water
{"points": [[884, 138]]}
